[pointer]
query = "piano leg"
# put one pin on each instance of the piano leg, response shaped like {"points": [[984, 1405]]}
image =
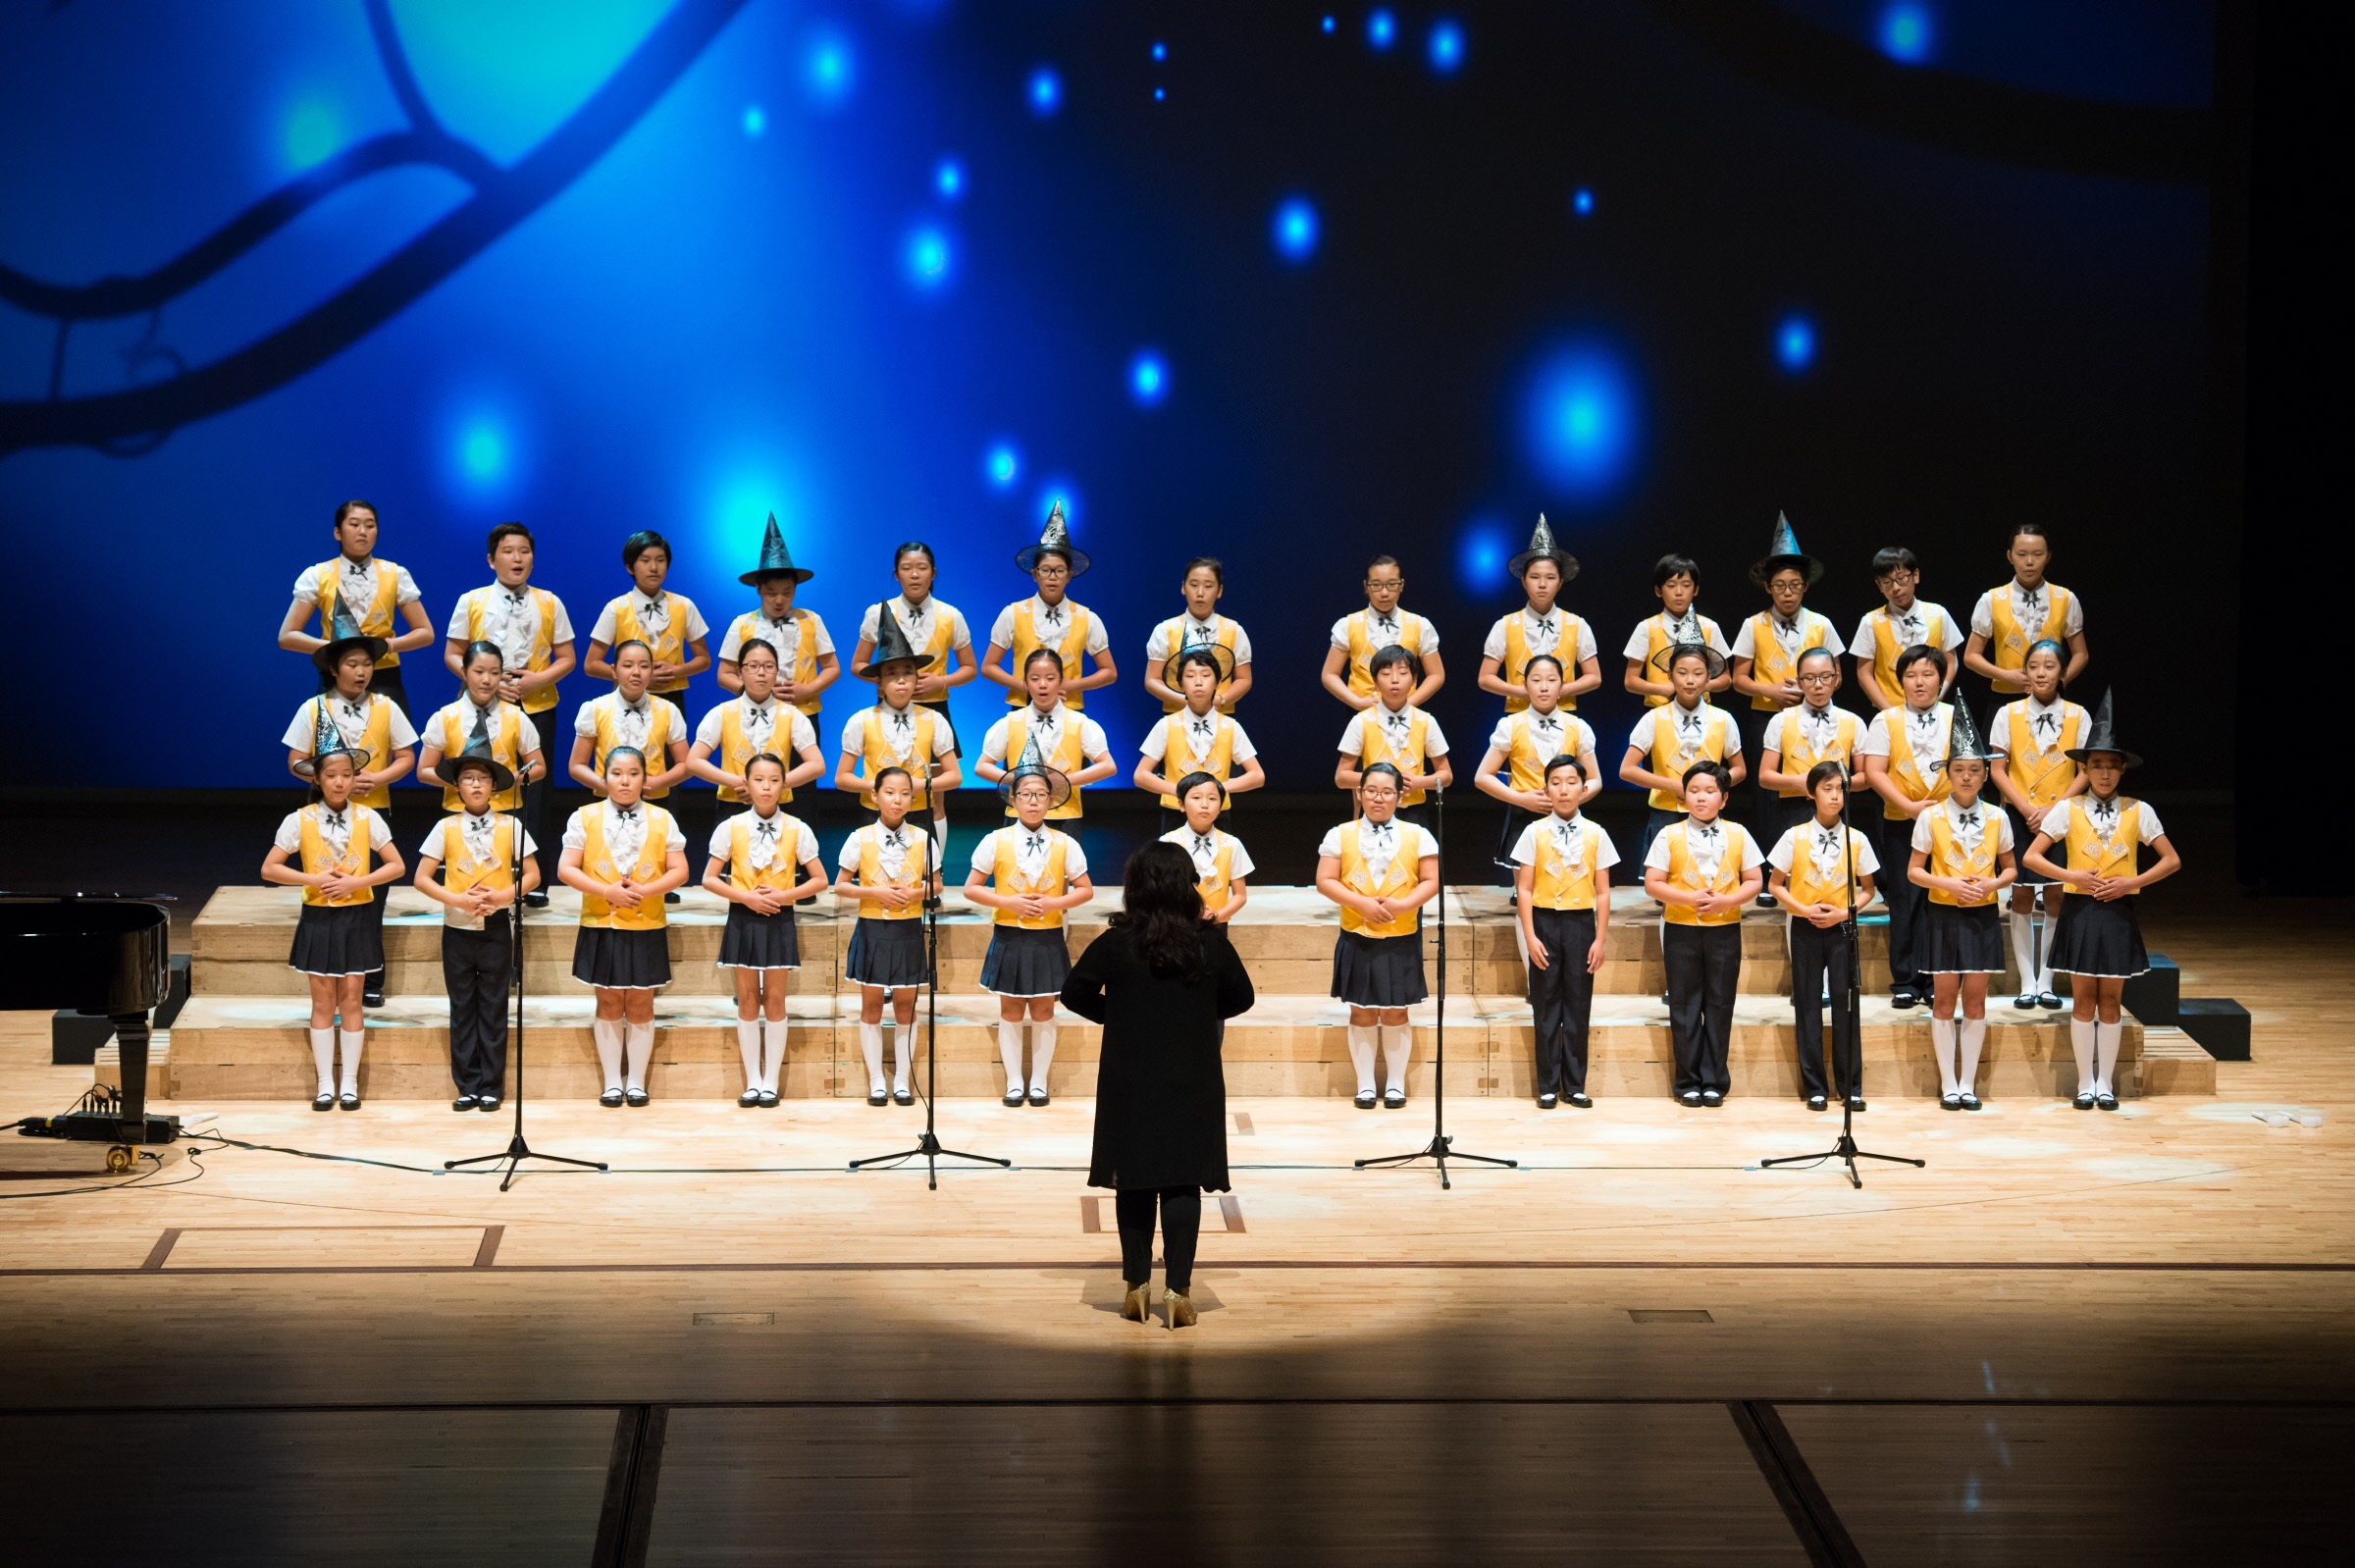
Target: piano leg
{"points": [[131, 1040]]}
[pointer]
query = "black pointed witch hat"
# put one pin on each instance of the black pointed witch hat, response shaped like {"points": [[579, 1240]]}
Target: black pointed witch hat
{"points": [[344, 634], [775, 559], [1963, 743], [2102, 736], [1055, 538], [478, 753], [1542, 548], [1034, 764], [891, 644], [1784, 551]]}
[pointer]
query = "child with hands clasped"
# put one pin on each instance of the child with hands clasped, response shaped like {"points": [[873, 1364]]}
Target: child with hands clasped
{"points": [[467, 865], [754, 854], [1668, 741], [1542, 626], [2036, 741], [1901, 755], [1395, 732], [1381, 871], [1521, 748], [358, 592], [1963, 859], [1195, 740], [1072, 744], [1703, 870], [756, 722], [1220, 862], [483, 722], [1809, 872], [1029, 874], [1562, 892], [1201, 626], [883, 868], [1358, 636], [1676, 582], [805, 654], [667, 624], [337, 940], [624, 856], [2008, 621], [1050, 619]]}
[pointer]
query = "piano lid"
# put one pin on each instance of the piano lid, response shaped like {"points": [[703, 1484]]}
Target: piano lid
{"points": [[107, 953]]}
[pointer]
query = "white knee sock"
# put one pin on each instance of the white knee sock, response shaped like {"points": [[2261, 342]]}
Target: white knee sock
{"points": [[2108, 1040], [1398, 1048], [772, 1053], [2023, 952], [871, 1046], [1042, 1054], [352, 1040], [901, 1050], [638, 1039], [2081, 1041], [323, 1057], [1009, 1051], [1361, 1055], [748, 1046], [1942, 1046], [607, 1034], [1974, 1040]]}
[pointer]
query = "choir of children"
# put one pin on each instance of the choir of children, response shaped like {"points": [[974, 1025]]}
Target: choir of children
{"points": [[2055, 768]]}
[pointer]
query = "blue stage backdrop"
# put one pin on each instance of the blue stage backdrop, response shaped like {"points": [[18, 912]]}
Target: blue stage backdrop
{"points": [[1265, 280]]}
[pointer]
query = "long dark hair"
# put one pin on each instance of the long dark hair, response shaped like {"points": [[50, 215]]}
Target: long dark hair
{"points": [[1161, 910]]}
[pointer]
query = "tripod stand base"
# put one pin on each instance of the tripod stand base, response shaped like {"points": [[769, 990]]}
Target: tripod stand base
{"points": [[1847, 1152], [1440, 1150], [930, 1147], [516, 1153]]}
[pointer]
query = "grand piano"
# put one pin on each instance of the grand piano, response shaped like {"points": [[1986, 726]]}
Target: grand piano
{"points": [[94, 953]]}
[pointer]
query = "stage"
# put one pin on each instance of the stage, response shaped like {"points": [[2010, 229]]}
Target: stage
{"points": [[2111, 1338]]}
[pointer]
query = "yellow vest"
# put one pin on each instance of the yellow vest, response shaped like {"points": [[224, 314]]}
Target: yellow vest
{"points": [[804, 651], [1215, 886], [871, 873], [1174, 639], [1527, 759], [1656, 642], [659, 738], [2043, 773], [1050, 883], [1769, 663], [1362, 649], [1671, 756], [1886, 648], [1557, 883], [1177, 761], [1517, 655], [1948, 858], [2007, 647], [1027, 640], [375, 740], [543, 640], [1407, 756], [507, 746], [2089, 850], [376, 618], [735, 750], [1404, 874], [1067, 756], [1798, 756], [318, 856], [653, 856], [1903, 769], [670, 645], [460, 872], [783, 871], [874, 754], [1803, 882], [1685, 874]]}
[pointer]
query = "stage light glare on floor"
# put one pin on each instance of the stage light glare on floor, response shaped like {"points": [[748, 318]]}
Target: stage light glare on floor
{"points": [[1907, 32], [1795, 343], [1295, 229], [948, 179], [1148, 377], [1446, 48], [1002, 464], [1381, 29], [1045, 92]]}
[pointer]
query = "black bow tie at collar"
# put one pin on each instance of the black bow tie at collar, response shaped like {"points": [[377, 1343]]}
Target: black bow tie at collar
{"points": [[765, 829], [895, 838], [1924, 717], [1377, 829], [1706, 830], [2048, 721], [1398, 720], [1204, 844], [1052, 615], [1969, 818], [626, 814], [1828, 837], [2102, 808], [642, 708], [355, 709], [1034, 841], [335, 819], [901, 720], [1542, 624], [1548, 722], [1203, 727], [1688, 723]]}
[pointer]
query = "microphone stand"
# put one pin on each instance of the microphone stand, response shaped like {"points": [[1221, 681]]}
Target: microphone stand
{"points": [[1852, 1004], [929, 1145], [1441, 1147], [517, 1151]]}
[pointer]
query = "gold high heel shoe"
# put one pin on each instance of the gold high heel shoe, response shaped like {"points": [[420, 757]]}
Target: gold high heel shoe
{"points": [[1181, 1309], [1137, 1305]]}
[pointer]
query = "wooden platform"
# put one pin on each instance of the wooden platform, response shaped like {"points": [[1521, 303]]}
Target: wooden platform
{"points": [[240, 1036]]}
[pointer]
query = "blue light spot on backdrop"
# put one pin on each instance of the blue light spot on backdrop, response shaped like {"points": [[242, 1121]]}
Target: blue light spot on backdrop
{"points": [[482, 456], [1045, 92], [1907, 34], [1161, 51], [482, 453], [755, 121], [1148, 377], [1582, 202], [1002, 464], [312, 134], [1580, 422], [929, 257], [1058, 489], [1295, 229], [1795, 343], [948, 178], [1160, 93], [1481, 551], [1446, 48], [1327, 24], [1380, 28], [828, 69]]}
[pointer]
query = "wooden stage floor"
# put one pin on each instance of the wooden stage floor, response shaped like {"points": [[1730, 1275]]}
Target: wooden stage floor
{"points": [[2073, 1338]]}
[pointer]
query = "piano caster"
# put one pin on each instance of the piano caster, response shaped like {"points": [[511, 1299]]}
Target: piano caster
{"points": [[120, 1159]]}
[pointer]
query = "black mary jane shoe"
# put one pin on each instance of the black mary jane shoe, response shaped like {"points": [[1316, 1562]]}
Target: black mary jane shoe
{"points": [[372, 999], [1903, 999], [1581, 1099], [873, 1097], [902, 1097], [2050, 1003], [1013, 1100], [748, 1099], [670, 897], [1713, 1099], [768, 1099], [1816, 1102], [636, 1097], [535, 901], [1038, 1097], [487, 1102], [2107, 1102], [2085, 1100], [1855, 1102], [465, 1102], [610, 1099], [325, 1102], [1547, 1102], [1393, 1099], [1366, 1100], [1690, 1098], [1949, 1102], [1970, 1102], [2025, 1002], [347, 1102]]}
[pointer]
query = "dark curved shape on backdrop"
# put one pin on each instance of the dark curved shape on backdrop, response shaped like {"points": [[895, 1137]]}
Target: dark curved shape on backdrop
{"points": [[131, 419], [1941, 109]]}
